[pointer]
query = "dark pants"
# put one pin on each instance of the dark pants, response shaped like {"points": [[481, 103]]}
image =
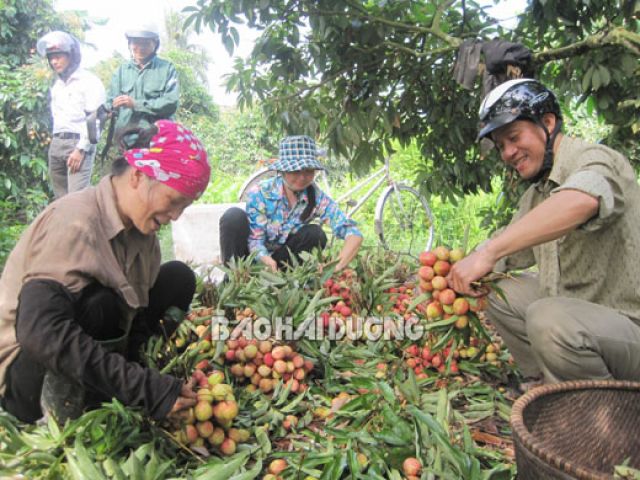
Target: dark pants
{"points": [[234, 236], [95, 309]]}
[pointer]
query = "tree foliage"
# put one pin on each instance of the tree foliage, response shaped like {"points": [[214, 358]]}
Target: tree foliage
{"points": [[178, 37], [363, 74]]}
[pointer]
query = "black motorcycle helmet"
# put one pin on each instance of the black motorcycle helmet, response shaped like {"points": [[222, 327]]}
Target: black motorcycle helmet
{"points": [[521, 99]]}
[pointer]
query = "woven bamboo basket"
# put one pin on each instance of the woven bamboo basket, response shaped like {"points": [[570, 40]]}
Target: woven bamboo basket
{"points": [[577, 430]]}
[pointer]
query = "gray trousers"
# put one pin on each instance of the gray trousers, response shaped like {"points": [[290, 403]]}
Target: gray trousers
{"points": [[564, 338], [62, 181]]}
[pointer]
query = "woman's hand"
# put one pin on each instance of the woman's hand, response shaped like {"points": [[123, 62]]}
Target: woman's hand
{"points": [[187, 398], [269, 262], [349, 250]]}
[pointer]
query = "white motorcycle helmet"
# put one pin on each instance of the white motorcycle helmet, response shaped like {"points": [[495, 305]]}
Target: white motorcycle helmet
{"points": [[146, 30], [61, 42]]}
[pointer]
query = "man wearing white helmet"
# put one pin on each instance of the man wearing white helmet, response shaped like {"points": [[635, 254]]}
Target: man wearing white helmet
{"points": [[578, 317], [75, 93], [145, 89]]}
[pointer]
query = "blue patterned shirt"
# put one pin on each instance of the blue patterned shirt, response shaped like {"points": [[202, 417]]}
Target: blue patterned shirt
{"points": [[272, 221]]}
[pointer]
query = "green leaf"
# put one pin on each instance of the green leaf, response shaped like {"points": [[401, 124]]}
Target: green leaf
{"points": [[596, 81], [112, 469], [225, 470], [390, 437], [410, 388], [250, 474], [441, 323], [387, 392], [263, 440], [227, 41], [133, 467], [605, 76], [81, 466], [586, 79], [418, 300]]}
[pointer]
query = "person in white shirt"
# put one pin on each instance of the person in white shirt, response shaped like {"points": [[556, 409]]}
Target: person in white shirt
{"points": [[74, 95]]}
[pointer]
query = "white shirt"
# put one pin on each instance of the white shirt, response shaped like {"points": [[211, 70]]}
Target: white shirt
{"points": [[72, 100]]}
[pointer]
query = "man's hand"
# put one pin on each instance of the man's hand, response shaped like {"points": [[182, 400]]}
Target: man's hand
{"points": [[469, 269], [270, 262], [123, 101], [186, 399], [75, 160]]}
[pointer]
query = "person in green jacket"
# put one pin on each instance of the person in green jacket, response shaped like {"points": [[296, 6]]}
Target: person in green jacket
{"points": [[145, 89]]}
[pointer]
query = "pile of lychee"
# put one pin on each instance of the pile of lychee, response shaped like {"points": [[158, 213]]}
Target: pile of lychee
{"points": [[341, 287], [209, 423], [264, 364]]}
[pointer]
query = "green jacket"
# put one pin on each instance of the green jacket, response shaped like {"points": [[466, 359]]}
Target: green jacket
{"points": [[154, 89]]}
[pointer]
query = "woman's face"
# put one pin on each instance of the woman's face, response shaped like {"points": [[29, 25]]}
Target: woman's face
{"points": [[298, 181], [155, 204]]}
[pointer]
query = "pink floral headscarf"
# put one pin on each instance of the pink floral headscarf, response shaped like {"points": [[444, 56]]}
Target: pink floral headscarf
{"points": [[175, 157]]}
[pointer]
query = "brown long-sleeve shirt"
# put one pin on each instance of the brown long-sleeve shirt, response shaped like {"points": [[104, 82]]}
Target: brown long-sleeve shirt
{"points": [[77, 240]]}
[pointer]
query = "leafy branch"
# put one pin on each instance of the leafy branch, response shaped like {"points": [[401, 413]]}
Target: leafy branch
{"points": [[618, 36]]}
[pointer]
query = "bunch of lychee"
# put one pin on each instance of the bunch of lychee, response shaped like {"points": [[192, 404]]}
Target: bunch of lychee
{"points": [[209, 423], [444, 302], [419, 359], [199, 313], [488, 353], [205, 331], [411, 467], [200, 318], [245, 313], [276, 467], [341, 287], [401, 297], [263, 364]]}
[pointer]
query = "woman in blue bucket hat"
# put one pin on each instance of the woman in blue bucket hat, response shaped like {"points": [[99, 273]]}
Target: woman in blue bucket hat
{"points": [[280, 211]]}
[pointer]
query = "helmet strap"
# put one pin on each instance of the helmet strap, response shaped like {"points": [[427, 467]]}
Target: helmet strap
{"points": [[547, 162]]}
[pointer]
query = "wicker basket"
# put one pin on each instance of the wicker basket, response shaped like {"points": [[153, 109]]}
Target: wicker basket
{"points": [[579, 429]]}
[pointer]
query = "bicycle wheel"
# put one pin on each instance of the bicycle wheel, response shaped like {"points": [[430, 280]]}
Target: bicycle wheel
{"points": [[403, 221], [255, 179]]}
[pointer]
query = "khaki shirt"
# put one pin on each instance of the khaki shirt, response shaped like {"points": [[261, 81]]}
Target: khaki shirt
{"points": [[598, 261], [77, 240]]}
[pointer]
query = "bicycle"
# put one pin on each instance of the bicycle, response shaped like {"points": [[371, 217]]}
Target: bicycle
{"points": [[403, 218]]}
